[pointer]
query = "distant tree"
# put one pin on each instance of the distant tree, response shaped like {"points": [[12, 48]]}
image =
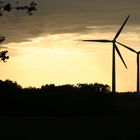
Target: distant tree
{"points": [[12, 83], [31, 91], [101, 88], [9, 87], [106, 88], [96, 88], [8, 7]]}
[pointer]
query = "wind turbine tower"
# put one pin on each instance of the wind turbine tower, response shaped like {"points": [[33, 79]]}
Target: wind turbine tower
{"points": [[138, 64], [115, 48]]}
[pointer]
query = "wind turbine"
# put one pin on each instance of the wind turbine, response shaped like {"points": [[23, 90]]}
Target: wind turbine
{"points": [[115, 48], [138, 63]]}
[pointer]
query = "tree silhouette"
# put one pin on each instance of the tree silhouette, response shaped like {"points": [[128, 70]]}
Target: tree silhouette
{"points": [[53, 90], [3, 56], [97, 88], [8, 7]]}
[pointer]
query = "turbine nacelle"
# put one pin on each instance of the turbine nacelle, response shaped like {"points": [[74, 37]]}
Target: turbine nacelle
{"points": [[114, 41]]}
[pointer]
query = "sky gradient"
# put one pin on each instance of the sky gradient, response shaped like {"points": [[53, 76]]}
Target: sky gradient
{"points": [[45, 48]]}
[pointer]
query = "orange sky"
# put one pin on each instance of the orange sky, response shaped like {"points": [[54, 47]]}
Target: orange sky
{"points": [[62, 59]]}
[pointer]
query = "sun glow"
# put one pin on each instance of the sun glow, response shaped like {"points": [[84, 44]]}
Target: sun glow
{"points": [[64, 59]]}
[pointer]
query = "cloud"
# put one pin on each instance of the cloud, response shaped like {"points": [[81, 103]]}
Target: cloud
{"points": [[68, 16]]}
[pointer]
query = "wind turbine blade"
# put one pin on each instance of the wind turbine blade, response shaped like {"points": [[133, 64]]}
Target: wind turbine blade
{"points": [[119, 54], [100, 40], [119, 31], [127, 47]]}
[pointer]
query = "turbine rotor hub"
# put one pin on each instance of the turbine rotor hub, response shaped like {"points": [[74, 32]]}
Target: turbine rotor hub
{"points": [[114, 41]]}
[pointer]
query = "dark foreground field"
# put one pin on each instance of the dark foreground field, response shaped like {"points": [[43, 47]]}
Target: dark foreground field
{"points": [[67, 112], [93, 117], [61, 105], [42, 128]]}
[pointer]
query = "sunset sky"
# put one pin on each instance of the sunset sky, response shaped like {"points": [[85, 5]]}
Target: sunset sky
{"points": [[45, 48]]}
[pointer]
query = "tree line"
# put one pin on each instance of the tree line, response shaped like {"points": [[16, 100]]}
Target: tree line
{"points": [[52, 100], [9, 87]]}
